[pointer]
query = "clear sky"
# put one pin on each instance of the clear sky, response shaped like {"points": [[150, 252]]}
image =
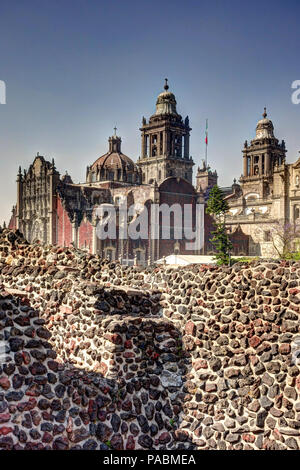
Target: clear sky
{"points": [[74, 69]]}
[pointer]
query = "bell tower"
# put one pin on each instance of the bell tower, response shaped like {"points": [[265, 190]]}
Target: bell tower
{"points": [[264, 154], [165, 142]]}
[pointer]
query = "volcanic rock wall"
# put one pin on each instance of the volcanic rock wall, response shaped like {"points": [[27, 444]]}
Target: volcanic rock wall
{"points": [[102, 356]]}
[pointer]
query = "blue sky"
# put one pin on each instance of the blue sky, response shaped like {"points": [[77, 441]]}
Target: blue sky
{"points": [[74, 69]]}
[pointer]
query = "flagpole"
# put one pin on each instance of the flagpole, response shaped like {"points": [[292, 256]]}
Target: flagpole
{"points": [[206, 142]]}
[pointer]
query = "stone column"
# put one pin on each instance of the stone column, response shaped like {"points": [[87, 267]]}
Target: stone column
{"points": [[245, 165], [260, 165], [267, 163], [150, 145], [158, 144], [186, 146], [142, 146], [165, 143], [171, 143]]}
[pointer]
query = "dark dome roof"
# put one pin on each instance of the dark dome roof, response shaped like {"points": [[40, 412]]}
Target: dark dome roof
{"points": [[114, 159]]}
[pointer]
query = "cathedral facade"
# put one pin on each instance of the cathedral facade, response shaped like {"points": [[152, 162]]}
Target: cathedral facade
{"points": [[53, 209], [265, 205]]}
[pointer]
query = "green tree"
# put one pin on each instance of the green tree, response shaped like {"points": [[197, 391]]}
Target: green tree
{"points": [[217, 207]]}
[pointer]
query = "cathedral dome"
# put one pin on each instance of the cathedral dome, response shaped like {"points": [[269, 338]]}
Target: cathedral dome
{"points": [[166, 102], [114, 158], [265, 128], [113, 161], [113, 165]]}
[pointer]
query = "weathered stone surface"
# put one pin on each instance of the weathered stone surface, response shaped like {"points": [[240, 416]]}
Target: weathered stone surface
{"points": [[103, 432], [200, 360], [145, 441], [169, 379]]}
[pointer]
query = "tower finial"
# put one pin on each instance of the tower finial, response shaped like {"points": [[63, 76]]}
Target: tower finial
{"points": [[115, 129], [166, 87], [265, 113]]}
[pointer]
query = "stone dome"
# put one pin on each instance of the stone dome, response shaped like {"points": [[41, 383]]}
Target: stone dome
{"points": [[114, 158], [166, 102], [265, 128], [113, 165]]}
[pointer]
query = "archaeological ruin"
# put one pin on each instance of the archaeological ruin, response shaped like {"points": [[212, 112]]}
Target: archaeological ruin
{"points": [[96, 355]]}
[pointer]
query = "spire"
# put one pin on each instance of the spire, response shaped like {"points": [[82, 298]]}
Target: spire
{"points": [[166, 87], [19, 176], [265, 113], [115, 129]]}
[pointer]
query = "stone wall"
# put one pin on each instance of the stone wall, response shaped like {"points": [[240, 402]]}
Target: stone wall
{"points": [[102, 356]]}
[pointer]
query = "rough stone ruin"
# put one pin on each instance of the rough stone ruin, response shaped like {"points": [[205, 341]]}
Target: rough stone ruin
{"points": [[98, 356]]}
